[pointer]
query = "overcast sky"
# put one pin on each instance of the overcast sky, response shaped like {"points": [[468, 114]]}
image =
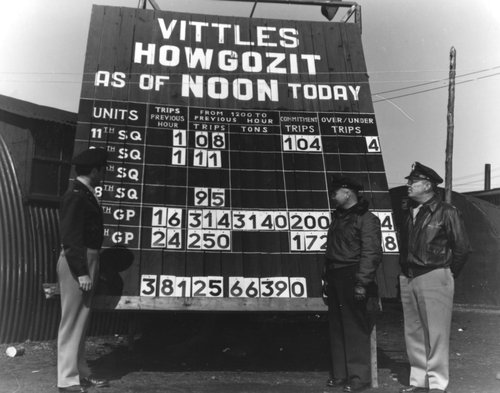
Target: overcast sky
{"points": [[406, 45]]}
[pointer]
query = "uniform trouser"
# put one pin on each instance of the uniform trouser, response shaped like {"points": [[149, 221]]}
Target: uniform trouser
{"points": [[427, 306], [349, 326], [75, 311]]}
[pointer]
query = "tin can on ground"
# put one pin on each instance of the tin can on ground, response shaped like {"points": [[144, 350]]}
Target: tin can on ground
{"points": [[15, 351]]}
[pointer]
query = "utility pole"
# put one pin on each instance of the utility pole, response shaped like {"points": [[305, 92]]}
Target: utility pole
{"points": [[487, 177], [451, 126]]}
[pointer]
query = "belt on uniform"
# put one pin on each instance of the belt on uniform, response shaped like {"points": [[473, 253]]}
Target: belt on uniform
{"points": [[416, 270]]}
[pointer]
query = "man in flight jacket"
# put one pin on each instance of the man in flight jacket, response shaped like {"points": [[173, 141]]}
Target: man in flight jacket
{"points": [[353, 254], [434, 248]]}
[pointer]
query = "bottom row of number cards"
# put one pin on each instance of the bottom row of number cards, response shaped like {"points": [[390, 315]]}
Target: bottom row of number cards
{"points": [[213, 286]]}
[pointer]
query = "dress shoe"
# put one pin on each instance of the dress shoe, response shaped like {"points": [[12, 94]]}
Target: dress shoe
{"points": [[355, 386], [72, 388], [93, 381], [335, 382], [413, 389]]}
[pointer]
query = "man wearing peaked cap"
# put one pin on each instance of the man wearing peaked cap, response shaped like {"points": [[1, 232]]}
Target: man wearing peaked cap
{"points": [[81, 230], [91, 157], [434, 248], [422, 172], [352, 256], [345, 182]]}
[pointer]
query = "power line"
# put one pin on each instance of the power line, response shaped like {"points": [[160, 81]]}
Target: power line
{"points": [[80, 74], [434, 88], [439, 80], [474, 181], [480, 174]]}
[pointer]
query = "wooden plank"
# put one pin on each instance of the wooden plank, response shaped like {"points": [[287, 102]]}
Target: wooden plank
{"points": [[345, 4], [91, 65], [122, 53], [208, 304], [357, 73], [335, 56], [107, 54]]}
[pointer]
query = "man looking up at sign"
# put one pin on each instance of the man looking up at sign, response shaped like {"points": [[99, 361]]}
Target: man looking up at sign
{"points": [[81, 229], [434, 247], [353, 254]]}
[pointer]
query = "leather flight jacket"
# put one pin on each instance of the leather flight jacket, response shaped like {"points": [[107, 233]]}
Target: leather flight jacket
{"points": [[436, 238]]}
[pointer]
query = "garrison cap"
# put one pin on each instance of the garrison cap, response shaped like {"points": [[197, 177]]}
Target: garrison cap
{"points": [[422, 172], [91, 157], [345, 182]]}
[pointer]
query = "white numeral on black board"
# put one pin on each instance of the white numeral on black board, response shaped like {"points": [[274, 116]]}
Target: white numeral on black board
{"points": [[178, 156], [215, 197], [214, 286], [179, 138], [302, 143], [214, 140], [208, 240], [389, 237], [207, 158], [167, 217], [372, 144]]}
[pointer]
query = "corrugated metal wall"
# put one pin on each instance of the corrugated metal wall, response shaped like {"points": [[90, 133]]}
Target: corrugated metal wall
{"points": [[29, 247], [16, 273], [45, 319], [45, 243]]}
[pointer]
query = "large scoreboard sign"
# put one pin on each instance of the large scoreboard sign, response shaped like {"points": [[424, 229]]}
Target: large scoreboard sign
{"points": [[223, 134]]}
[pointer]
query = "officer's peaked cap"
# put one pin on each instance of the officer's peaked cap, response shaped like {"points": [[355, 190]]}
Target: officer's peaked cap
{"points": [[422, 172], [345, 182], [91, 158]]}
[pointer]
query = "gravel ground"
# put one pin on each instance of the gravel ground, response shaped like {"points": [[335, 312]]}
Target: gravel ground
{"points": [[253, 353]]}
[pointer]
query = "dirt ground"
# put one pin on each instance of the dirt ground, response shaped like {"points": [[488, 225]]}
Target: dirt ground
{"points": [[253, 353]]}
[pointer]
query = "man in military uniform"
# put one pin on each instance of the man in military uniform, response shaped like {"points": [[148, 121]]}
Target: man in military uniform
{"points": [[81, 230], [434, 248], [352, 255]]}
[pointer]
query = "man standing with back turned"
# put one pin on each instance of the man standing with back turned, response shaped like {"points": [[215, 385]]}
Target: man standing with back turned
{"points": [[81, 229], [434, 247], [353, 253]]}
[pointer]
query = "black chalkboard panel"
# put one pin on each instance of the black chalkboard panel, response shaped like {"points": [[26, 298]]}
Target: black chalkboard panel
{"points": [[223, 134]]}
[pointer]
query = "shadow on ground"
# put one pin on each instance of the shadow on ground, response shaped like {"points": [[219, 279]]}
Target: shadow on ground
{"points": [[250, 353], [240, 342], [223, 342]]}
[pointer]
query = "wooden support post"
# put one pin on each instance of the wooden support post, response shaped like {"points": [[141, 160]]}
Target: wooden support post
{"points": [[142, 4], [253, 9], [357, 18], [154, 4], [373, 357], [451, 125]]}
